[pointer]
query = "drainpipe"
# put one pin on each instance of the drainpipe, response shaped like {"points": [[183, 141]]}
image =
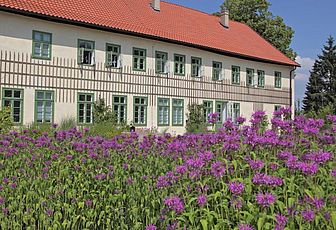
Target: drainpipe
{"points": [[291, 88]]}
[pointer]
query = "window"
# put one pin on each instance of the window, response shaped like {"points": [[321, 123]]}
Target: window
{"points": [[196, 66], [85, 107], [13, 98], [208, 108], [41, 45], [44, 106], [261, 78], [139, 59], [235, 74], [178, 111], [113, 56], [235, 111], [86, 52], [179, 64], [217, 71], [163, 111], [140, 111], [220, 109], [277, 83], [277, 107], [161, 62], [120, 108], [250, 77]]}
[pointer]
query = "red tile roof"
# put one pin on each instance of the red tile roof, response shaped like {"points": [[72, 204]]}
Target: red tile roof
{"points": [[173, 23]]}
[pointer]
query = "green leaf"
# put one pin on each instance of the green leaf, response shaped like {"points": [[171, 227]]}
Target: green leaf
{"points": [[260, 223], [204, 224], [333, 219]]}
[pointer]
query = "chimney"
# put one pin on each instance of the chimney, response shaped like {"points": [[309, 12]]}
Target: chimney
{"points": [[156, 4], [224, 19]]}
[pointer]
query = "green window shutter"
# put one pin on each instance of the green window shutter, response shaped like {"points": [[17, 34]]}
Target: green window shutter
{"points": [[13, 98], [120, 108], [179, 64], [42, 42], [85, 108], [163, 111], [140, 111], [235, 75], [139, 59], [178, 112], [44, 106]]}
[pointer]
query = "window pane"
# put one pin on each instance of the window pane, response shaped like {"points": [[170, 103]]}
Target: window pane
{"points": [[17, 94], [40, 95], [8, 93], [81, 97], [37, 36]]}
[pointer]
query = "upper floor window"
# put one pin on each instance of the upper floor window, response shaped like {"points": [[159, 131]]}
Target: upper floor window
{"points": [[250, 77], [277, 80], [13, 98], [113, 57], [235, 74], [41, 45], [86, 52], [217, 71], [179, 61], [261, 78], [161, 59], [196, 66], [139, 59]]}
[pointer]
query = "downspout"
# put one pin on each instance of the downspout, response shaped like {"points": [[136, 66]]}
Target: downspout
{"points": [[291, 88]]}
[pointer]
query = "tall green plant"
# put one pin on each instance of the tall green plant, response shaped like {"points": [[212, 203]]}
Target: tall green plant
{"points": [[103, 113], [195, 119], [6, 122]]}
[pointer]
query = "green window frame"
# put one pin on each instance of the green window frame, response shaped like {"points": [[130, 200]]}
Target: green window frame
{"points": [[139, 59], [177, 112], [217, 71], [261, 78], [42, 45], [120, 108], [277, 79], [207, 109], [13, 98], [219, 108], [179, 64], [113, 55], [163, 111], [85, 53], [235, 75], [140, 111], [249, 77], [44, 106], [161, 59], [196, 65], [235, 111], [85, 103]]}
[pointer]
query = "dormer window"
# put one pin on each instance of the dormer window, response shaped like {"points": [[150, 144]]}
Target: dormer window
{"points": [[86, 52]]}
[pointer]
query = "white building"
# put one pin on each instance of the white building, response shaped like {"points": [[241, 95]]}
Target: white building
{"points": [[147, 59]]}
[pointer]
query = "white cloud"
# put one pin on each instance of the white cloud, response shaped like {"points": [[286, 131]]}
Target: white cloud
{"points": [[302, 75]]}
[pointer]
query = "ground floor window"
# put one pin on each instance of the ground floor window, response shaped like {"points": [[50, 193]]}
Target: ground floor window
{"points": [[235, 111], [120, 108], [221, 111], [207, 108], [44, 106], [140, 111], [178, 112], [277, 107], [85, 108], [13, 98], [163, 111]]}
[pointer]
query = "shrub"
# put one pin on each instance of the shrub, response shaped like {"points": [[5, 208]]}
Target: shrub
{"points": [[6, 122], [103, 113], [195, 119]]}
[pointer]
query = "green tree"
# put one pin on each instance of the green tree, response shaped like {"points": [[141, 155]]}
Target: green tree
{"points": [[321, 87], [103, 113], [195, 119], [256, 14]]}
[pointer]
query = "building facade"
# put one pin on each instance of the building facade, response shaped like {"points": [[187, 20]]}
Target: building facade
{"points": [[52, 69]]}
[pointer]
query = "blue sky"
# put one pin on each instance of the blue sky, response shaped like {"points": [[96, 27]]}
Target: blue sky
{"points": [[312, 20]]}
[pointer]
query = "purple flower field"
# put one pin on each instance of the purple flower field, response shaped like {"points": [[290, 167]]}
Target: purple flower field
{"points": [[263, 176]]}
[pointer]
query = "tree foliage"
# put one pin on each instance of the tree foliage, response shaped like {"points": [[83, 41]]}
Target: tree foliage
{"points": [[321, 87], [195, 119], [6, 122], [103, 113], [256, 14]]}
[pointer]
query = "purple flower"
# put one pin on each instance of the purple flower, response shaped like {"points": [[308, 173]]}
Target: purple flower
{"points": [[308, 215], [151, 227], [49, 212], [88, 203], [218, 169], [236, 203], [201, 200], [68, 157], [333, 172], [5, 211], [236, 187], [13, 185], [2, 200], [256, 164], [174, 203], [245, 227], [265, 199], [281, 219], [263, 179]]}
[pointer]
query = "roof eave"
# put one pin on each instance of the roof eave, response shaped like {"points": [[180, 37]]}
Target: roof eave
{"points": [[132, 33]]}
